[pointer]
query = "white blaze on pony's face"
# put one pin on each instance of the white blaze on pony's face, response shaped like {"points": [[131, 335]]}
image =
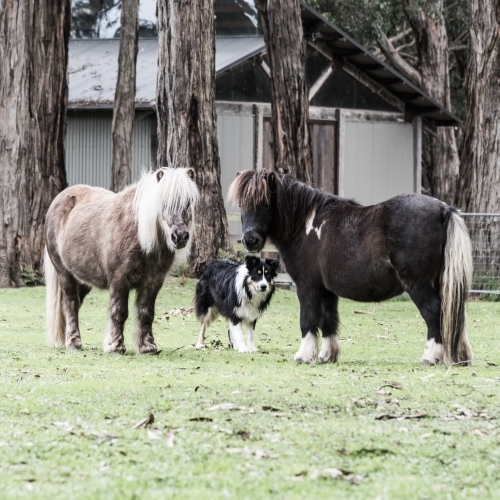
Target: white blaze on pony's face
{"points": [[166, 198]]}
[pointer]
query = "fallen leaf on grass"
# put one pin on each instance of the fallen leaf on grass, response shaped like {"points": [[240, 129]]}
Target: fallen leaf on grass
{"points": [[170, 439], [201, 419], [359, 311], [427, 377], [226, 406], [478, 432], [382, 337], [393, 385], [270, 408], [145, 422], [153, 435], [183, 311], [332, 473], [387, 416]]}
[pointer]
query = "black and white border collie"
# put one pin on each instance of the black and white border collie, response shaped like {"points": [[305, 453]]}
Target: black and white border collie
{"points": [[239, 292]]}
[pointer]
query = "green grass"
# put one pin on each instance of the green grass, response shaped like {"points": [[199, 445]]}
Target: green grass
{"points": [[67, 418]]}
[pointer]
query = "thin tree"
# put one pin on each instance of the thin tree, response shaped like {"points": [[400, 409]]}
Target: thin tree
{"points": [[286, 52], [185, 103], [479, 185], [122, 126], [34, 40], [432, 75]]}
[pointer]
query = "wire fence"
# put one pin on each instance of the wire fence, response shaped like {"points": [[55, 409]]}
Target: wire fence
{"points": [[484, 229]]}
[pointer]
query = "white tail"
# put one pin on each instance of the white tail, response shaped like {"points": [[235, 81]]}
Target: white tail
{"points": [[55, 323], [456, 279]]}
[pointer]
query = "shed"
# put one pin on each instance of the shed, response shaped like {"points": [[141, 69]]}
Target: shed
{"points": [[365, 118]]}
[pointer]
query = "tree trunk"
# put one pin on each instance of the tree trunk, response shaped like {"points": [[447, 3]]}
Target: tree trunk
{"points": [[286, 52], [433, 77], [185, 103], [479, 186], [122, 126], [33, 94]]}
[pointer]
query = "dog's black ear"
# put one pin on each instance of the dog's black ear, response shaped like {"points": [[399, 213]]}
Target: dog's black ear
{"points": [[251, 261], [274, 263], [159, 175]]}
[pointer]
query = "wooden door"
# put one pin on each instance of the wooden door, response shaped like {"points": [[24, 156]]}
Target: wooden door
{"points": [[324, 152]]}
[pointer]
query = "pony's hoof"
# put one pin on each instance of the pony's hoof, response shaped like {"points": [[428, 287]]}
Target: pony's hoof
{"points": [[300, 359], [74, 346], [327, 359], [147, 349], [430, 362], [433, 354], [115, 349]]}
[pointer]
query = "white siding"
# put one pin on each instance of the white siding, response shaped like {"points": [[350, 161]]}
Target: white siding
{"points": [[378, 161], [235, 134], [88, 148]]}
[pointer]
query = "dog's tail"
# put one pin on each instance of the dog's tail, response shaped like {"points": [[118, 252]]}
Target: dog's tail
{"points": [[456, 279], [55, 323]]}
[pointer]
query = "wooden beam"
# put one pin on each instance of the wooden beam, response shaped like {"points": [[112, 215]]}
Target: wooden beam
{"points": [[417, 155], [264, 66], [361, 77], [340, 115], [320, 81]]}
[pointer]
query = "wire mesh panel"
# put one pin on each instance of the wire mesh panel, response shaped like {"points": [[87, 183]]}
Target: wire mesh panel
{"points": [[484, 230]]}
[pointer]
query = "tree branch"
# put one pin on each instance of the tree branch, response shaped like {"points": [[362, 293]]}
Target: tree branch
{"points": [[397, 61]]}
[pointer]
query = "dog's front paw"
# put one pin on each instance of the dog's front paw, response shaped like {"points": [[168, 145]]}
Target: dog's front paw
{"points": [[200, 346], [243, 348]]}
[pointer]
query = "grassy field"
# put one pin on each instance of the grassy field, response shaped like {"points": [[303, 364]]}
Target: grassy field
{"points": [[378, 425]]}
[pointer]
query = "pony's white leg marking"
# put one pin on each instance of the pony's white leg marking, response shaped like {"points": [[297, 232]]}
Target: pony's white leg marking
{"points": [[112, 344], [250, 337], [330, 350], [236, 334], [433, 353], [308, 351]]}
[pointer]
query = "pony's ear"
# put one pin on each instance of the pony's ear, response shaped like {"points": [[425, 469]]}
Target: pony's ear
{"points": [[159, 175], [251, 261], [190, 173], [271, 180], [274, 263], [284, 170]]}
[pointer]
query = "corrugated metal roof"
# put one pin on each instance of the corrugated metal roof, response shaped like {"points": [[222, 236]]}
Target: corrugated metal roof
{"points": [[93, 67]]}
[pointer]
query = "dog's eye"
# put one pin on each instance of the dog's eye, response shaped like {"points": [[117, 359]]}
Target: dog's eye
{"points": [[266, 272], [259, 272]]}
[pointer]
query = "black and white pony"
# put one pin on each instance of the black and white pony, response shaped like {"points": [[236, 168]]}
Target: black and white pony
{"points": [[333, 247], [116, 241], [240, 293]]}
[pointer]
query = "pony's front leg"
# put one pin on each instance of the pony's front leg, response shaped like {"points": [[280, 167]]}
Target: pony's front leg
{"points": [[71, 305], [118, 314], [310, 310], [330, 348], [145, 305]]}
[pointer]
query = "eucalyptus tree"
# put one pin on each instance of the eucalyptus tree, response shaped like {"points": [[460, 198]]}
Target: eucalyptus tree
{"points": [[34, 40], [286, 52], [122, 126], [185, 103]]}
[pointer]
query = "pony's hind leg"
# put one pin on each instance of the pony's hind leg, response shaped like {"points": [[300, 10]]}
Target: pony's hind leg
{"points": [[71, 305], [118, 314], [428, 302], [310, 318], [145, 304], [330, 348]]}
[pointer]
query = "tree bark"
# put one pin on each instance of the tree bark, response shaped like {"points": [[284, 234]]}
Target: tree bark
{"points": [[479, 186], [122, 126], [185, 103], [286, 52], [433, 77], [34, 39]]}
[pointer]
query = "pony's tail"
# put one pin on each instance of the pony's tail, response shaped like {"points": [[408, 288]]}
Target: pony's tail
{"points": [[53, 302], [456, 279]]}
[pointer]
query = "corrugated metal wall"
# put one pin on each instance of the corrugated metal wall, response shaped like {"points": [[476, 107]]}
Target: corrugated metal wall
{"points": [[88, 147], [235, 134], [378, 161]]}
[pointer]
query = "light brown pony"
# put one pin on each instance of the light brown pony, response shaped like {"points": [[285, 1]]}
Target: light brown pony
{"points": [[116, 241]]}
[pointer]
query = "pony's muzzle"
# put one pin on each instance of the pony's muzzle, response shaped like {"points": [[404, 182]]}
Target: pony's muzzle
{"points": [[180, 239], [252, 242]]}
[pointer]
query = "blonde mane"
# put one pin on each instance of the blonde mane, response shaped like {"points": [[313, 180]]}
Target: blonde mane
{"points": [[175, 191]]}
